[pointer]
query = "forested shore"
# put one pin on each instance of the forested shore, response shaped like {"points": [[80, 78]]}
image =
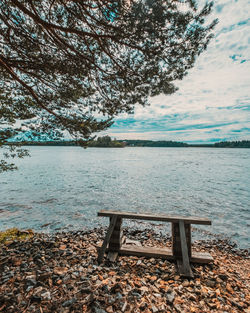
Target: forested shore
{"points": [[107, 142]]}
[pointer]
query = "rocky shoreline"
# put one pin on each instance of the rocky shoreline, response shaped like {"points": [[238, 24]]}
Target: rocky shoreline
{"points": [[59, 273]]}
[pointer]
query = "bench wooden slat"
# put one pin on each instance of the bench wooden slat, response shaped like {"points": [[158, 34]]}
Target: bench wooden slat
{"points": [[158, 217], [107, 238]]}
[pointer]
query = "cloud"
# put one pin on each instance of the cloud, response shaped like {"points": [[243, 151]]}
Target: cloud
{"points": [[213, 101]]}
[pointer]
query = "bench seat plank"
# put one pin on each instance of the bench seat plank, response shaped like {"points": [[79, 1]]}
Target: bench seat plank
{"points": [[154, 217]]}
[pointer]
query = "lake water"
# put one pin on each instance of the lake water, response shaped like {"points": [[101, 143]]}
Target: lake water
{"points": [[63, 188]]}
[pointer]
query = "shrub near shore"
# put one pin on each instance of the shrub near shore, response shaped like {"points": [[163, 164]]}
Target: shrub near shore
{"points": [[59, 273]]}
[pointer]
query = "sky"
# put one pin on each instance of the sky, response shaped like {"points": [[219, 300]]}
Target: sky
{"points": [[213, 100]]}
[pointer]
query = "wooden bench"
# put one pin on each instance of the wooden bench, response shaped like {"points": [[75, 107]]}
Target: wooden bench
{"points": [[181, 240]]}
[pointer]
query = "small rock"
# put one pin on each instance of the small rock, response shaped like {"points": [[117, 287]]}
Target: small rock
{"points": [[218, 280], [69, 302], [192, 297], [212, 305], [210, 283], [170, 297], [98, 310], [124, 306], [223, 277], [60, 270], [185, 283], [157, 295], [29, 288], [109, 309], [32, 277], [31, 282], [37, 290], [178, 308], [237, 305], [119, 296], [44, 276], [86, 290], [35, 298], [154, 309], [46, 295]]}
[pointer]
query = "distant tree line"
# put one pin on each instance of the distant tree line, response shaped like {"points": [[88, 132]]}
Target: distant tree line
{"points": [[164, 143], [108, 142], [233, 144], [151, 143]]}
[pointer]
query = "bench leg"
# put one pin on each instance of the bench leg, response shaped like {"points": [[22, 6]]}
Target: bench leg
{"points": [[115, 241], [107, 238], [116, 237], [176, 240], [181, 239], [185, 268]]}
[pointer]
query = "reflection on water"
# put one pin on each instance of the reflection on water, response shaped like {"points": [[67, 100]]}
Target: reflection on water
{"points": [[61, 188]]}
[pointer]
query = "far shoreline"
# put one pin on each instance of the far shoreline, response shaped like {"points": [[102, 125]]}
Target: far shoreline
{"points": [[243, 144]]}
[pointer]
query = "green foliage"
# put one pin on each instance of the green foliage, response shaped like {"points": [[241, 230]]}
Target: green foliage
{"points": [[63, 63]]}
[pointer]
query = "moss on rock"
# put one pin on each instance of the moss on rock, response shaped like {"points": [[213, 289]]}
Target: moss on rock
{"points": [[11, 234]]}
